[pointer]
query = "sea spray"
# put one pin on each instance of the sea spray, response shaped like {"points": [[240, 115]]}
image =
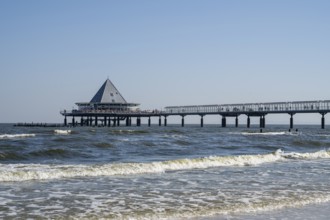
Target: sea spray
{"points": [[9, 136], [65, 132]]}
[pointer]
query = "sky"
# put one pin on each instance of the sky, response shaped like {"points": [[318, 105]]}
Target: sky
{"points": [[161, 53]]}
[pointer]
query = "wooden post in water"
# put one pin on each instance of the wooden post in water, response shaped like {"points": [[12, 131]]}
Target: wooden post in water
{"points": [[65, 121], [323, 121], [127, 121], [223, 122], [291, 120], [264, 122], [96, 120]]}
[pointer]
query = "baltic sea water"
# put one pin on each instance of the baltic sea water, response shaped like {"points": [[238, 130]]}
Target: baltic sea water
{"points": [[164, 172]]}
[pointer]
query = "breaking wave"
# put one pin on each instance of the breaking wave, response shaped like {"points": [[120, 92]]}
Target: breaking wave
{"points": [[62, 132], [24, 172], [9, 136], [270, 133]]}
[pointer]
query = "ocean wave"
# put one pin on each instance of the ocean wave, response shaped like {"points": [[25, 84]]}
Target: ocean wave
{"points": [[10, 136], [310, 143], [322, 154], [44, 153], [270, 133], [224, 210], [57, 153], [24, 172], [65, 132], [139, 132], [10, 156]]}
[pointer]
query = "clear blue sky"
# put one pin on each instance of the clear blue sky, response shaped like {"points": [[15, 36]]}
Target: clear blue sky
{"points": [[160, 53]]}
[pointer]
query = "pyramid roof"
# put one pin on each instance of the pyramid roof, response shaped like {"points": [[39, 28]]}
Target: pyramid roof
{"points": [[108, 94]]}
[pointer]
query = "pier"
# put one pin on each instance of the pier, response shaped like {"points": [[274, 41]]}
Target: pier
{"points": [[259, 110], [109, 108]]}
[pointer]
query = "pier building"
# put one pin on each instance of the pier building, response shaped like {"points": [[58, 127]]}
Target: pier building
{"points": [[108, 108]]}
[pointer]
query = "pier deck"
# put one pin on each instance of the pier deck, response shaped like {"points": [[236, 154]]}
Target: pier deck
{"points": [[108, 118], [252, 109]]}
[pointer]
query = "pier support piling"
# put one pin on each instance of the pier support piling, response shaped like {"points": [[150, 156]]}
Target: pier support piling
{"points": [[248, 124], [160, 121], [202, 121], [149, 121], [236, 121], [223, 122], [165, 121], [291, 121], [182, 121], [65, 121], [262, 121], [73, 122], [323, 121], [95, 120], [127, 121]]}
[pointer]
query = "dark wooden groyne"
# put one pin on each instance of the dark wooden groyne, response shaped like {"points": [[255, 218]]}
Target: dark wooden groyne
{"points": [[52, 125]]}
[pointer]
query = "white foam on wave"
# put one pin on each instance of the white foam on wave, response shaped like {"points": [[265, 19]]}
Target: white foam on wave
{"points": [[267, 133], [237, 210], [62, 131], [323, 135], [24, 172], [9, 136], [322, 154]]}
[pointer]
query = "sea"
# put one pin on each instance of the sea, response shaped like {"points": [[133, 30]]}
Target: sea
{"points": [[168, 172]]}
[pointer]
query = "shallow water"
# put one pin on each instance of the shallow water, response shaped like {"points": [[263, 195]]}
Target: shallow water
{"points": [[163, 172]]}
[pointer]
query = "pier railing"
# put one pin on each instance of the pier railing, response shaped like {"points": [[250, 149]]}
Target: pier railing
{"points": [[114, 112], [321, 106], [250, 108]]}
